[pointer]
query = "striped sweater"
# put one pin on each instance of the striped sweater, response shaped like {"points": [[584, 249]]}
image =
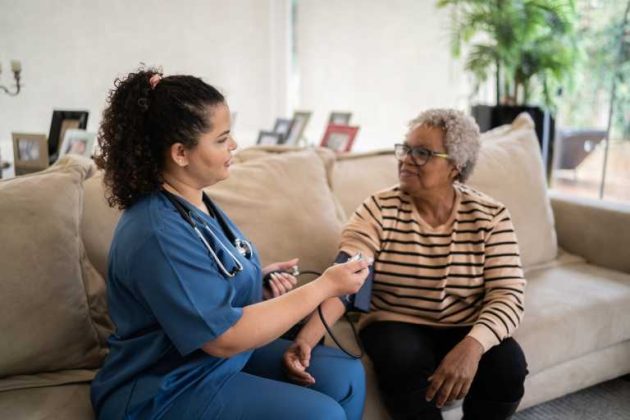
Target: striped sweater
{"points": [[466, 272]]}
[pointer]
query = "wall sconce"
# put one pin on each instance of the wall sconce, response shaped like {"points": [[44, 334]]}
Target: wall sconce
{"points": [[16, 68]]}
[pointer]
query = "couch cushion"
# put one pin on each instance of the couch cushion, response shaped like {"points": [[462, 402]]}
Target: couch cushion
{"points": [[283, 204], [98, 223], [357, 176], [327, 156], [572, 310], [66, 402], [256, 152], [510, 170], [52, 304]]}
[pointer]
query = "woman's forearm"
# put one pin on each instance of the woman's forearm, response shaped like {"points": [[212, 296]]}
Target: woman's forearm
{"points": [[265, 321], [313, 330]]}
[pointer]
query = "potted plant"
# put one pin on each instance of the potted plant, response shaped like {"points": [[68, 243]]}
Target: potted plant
{"points": [[528, 46]]}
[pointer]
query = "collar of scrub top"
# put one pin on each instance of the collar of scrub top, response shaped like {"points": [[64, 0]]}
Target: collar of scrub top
{"points": [[242, 246]]}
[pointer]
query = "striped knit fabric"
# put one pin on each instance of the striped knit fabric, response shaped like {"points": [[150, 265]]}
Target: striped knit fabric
{"points": [[466, 272]]}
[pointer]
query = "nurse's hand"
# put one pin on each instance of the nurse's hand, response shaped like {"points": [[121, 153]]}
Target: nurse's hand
{"points": [[346, 278], [280, 283], [296, 360]]}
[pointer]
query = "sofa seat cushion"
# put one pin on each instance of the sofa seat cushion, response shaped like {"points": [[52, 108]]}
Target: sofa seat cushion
{"points": [[64, 402], [572, 310]]}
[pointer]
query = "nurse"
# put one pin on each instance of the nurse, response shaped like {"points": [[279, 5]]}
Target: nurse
{"points": [[196, 332]]}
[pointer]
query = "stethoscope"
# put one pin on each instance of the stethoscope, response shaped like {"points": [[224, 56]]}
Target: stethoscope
{"points": [[242, 246]]}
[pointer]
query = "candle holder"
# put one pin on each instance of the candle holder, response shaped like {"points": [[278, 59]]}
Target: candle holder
{"points": [[16, 68]]}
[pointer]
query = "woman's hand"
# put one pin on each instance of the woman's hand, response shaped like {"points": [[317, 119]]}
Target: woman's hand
{"points": [[453, 377], [296, 360], [280, 283]]}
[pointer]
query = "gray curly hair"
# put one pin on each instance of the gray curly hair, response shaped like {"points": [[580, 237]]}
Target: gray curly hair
{"points": [[461, 137]]}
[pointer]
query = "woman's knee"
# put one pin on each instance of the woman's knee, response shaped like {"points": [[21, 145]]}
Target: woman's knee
{"points": [[399, 347], [502, 372]]}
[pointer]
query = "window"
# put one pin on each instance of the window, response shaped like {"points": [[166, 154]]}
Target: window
{"points": [[592, 145]]}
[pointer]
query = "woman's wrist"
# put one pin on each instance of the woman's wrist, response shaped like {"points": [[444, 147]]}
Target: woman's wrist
{"points": [[325, 286], [474, 345]]}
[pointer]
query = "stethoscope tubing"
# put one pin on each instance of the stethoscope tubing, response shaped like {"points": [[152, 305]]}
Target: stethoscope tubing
{"points": [[239, 266], [244, 247]]}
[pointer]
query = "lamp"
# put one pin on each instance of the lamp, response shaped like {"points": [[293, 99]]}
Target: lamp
{"points": [[16, 68]]}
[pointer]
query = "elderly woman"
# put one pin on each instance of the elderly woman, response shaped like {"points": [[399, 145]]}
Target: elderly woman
{"points": [[448, 284]]}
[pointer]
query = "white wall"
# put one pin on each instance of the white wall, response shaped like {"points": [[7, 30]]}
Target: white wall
{"points": [[72, 50], [383, 60]]}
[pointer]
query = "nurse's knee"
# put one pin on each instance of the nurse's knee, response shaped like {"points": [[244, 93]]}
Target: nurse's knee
{"points": [[350, 379], [321, 407], [355, 372]]}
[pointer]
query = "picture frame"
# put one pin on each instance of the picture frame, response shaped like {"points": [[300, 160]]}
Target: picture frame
{"points": [[339, 137], [30, 152], [300, 121], [339, 118], [63, 120], [269, 138], [283, 127], [77, 142]]}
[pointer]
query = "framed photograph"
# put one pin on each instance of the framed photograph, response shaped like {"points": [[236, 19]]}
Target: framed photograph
{"points": [[283, 127], [269, 138], [62, 121], [30, 152], [300, 121], [339, 118], [78, 142], [339, 137]]}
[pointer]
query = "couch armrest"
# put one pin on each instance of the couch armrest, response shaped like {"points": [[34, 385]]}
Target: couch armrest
{"points": [[597, 230]]}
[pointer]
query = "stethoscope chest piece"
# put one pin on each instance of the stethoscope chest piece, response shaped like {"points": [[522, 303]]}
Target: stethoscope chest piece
{"points": [[243, 247]]}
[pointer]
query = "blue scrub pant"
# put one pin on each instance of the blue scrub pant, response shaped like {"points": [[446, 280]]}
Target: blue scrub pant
{"points": [[262, 390]]}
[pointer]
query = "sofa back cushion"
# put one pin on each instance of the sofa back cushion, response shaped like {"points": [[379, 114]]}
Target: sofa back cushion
{"points": [[510, 170], [283, 204], [356, 176], [52, 302], [98, 224]]}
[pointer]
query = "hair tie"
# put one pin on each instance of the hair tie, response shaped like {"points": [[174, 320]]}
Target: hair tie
{"points": [[154, 80]]}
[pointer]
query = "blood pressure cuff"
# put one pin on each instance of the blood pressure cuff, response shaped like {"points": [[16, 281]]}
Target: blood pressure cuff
{"points": [[360, 301]]}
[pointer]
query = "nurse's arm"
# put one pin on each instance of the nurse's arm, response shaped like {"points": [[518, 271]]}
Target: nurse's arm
{"points": [[265, 321]]}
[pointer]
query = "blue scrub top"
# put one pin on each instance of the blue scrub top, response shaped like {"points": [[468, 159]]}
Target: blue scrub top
{"points": [[167, 297]]}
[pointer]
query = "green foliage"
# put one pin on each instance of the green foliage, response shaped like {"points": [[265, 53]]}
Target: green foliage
{"points": [[604, 32], [529, 45]]}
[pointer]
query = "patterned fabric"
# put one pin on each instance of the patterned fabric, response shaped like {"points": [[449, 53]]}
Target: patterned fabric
{"points": [[464, 272]]}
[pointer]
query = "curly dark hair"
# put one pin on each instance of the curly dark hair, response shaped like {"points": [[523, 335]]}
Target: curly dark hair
{"points": [[140, 124]]}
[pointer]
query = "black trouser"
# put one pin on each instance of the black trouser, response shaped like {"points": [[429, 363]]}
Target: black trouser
{"points": [[404, 355]]}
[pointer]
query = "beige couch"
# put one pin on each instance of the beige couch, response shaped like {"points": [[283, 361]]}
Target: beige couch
{"points": [[55, 230]]}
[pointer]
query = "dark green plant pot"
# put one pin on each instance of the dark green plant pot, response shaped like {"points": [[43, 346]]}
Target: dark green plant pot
{"points": [[491, 116]]}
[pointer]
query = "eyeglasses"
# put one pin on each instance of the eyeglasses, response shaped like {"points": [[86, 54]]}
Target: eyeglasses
{"points": [[419, 155]]}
